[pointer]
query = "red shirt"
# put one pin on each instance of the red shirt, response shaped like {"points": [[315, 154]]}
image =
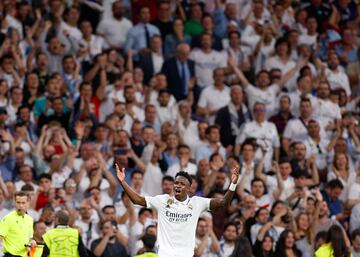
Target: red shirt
{"points": [[41, 201]]}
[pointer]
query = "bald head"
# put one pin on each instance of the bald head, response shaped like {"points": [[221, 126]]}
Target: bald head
{"points": [[182, 51]]}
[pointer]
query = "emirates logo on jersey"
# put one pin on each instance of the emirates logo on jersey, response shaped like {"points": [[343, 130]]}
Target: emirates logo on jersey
{"points": [[177, 217]]}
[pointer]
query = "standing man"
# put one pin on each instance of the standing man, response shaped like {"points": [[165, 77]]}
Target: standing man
{"points": [[62, 240], [16, 228], [178, 215]]}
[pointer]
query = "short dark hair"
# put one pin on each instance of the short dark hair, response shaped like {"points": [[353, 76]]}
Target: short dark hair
{"points": [[229, 224], [185, 175], [136, 172], [45, 175], [335, 183], [107, 207], [21, 194], [211, 127], [355, 233], [143, 210], [167, 178], [149, 241]]}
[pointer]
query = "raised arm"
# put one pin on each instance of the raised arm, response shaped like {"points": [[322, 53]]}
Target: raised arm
{"points": [[225, 201], [243, 80], [134, 197]]}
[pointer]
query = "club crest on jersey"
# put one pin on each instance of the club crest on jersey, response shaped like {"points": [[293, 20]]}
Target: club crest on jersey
{"points": [[169, 202], [190, 206]]}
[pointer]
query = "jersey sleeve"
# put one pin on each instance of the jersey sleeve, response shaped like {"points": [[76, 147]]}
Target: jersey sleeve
{"points": [[154, 202], [203, 204]]}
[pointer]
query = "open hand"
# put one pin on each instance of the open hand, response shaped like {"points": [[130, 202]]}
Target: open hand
{"points": [[120, 173]]}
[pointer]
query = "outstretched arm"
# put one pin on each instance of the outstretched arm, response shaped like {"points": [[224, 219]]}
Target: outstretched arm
{"points": [[225, 201], [134, 197]]}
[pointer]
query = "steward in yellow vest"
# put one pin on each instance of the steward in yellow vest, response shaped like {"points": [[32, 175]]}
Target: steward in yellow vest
{"points": [[63, 241]]}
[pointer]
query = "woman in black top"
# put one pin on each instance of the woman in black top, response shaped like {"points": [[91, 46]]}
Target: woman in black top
{"points": [[285, 246], [264, 243]]}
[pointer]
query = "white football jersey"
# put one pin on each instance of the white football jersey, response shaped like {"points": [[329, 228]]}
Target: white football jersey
{"points": [[177, 223]]}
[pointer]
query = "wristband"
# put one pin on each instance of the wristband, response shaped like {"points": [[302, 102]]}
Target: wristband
{"points": [[232, 187]]}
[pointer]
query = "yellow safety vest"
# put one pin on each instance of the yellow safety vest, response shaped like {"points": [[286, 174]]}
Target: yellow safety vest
{"points": [[62, 242]]}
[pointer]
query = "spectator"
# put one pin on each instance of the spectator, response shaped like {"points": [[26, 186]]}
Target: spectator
{"points": [[206, 242], [115, 38], [236, 114], [180, 73], [262, 130], [152, 61], [206, 60], [286, 245], [213, 98], [177, 37], [138, 37], [108, 245], [227, 244]]}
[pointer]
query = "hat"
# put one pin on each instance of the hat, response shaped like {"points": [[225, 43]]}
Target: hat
{"points": [[3, 110]]}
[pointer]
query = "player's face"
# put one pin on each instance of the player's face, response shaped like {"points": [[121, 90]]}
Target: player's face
{"points": [[181, 188]]}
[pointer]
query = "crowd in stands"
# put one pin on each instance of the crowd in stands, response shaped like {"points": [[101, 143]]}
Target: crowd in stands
{"points": [[203, 86]]}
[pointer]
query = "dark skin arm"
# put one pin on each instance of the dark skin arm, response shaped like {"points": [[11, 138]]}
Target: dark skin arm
{"points": [[134, 197], [216, 203]]}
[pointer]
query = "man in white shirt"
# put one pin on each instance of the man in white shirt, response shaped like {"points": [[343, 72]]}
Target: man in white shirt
{"points": [[328, 111], [188, 128], [336, 74], [206, 60], [304, 87], [184, 163], [296, 129], [310, 38], [214, 97], [115, 29], [264, 92], [265, 132], [316, 145], [178, 215], [91, 44], [207, 245], [69, 27]]}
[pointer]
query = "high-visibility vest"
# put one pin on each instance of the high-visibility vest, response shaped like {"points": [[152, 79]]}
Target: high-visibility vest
{"points": [[62, 242]]}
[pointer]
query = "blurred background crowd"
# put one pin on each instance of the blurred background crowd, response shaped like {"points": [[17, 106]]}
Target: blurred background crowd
{"points": [[160, 86]]}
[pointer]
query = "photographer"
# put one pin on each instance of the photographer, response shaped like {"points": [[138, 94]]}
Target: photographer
{"points": [[108, 245]]}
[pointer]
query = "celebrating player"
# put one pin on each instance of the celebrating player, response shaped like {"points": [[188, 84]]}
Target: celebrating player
{"points": [[178, 214]]}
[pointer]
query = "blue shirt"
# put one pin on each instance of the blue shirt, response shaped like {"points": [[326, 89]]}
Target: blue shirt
{"points": [[221, 22], [40, 107], [335, 206], [136, 39], [205, 151], [7, 167], [171, 42]]}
